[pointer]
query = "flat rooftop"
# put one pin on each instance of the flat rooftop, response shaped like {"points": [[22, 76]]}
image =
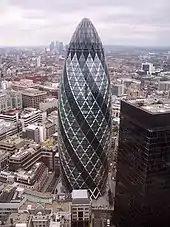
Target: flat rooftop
{"points": [[80, 194], [152, 106], [28, 112], [6, 126], [25, 175], [11, 112], [54, 206], [3, 154], [17, 218], [80, 197], [22, 153], [33, 92]]}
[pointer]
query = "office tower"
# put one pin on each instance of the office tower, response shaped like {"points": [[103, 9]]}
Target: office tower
{"points": [[18, 59], [33, 97], [52, 46], [148, 68], [39, 61], [143, 165], [84, 113], [61, 47]]}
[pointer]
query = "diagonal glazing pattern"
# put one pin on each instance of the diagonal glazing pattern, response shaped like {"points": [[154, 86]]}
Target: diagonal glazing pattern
{"points": [[84, 113]]}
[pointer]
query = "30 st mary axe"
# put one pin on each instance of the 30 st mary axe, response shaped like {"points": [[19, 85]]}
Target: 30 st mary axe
{"points": [[84, 113]]}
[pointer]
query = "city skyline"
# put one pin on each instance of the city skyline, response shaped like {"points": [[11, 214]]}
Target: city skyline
{"points": [[120, 23]]}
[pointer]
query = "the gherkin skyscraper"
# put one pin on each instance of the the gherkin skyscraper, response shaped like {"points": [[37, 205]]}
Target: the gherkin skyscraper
{"points": [[85, 113]]}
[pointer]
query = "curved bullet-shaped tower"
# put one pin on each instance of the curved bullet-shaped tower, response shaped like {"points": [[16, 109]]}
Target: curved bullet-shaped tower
{"points": [[84, 113]]}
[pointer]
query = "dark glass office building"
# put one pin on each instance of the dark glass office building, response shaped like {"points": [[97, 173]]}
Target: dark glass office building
{"points": [[84, 113], [143, 165]]}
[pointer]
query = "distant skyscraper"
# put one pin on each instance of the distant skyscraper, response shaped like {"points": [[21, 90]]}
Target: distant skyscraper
{"points": [[52, 46], [61, 47], [39, 61], [143, 165], [18, 60], [148, 68], [84, 113]]}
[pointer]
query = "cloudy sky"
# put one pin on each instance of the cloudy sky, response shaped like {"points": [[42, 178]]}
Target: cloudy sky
{"points": [[119, 22]]}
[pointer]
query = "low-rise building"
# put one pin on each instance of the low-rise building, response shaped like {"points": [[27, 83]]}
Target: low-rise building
{"points": [[39, 132], [117, 89], [164, 86], [10, 100], [51, 89], [10, 201], [40, 220], [31, 153], [32, 97], [23, 84], [33, 179], [25, 157], [49, 105], [19, 220], [4, 156], [12, 115], [12, 143], [31, 116], [9, 129], [80, 209]]}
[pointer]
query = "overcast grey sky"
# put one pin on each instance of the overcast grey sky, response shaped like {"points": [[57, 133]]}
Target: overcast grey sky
{"points": [[124, 22]]}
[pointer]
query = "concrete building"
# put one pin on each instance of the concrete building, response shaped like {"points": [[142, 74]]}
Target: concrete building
{"points": [[51, 89], [49, 105], [33, 179], [32, 132], [39, 132], [10, 100], [39, 61], [115, 110], [9, 129], [25, 157], [133, 92], [40, 220], [128, 81], [53, 117], [4, 156], [118, 89], [148, 68], [23, 84], [164, 86], [30, 153], [12, 115], [31, 116], [32, 97], [50, 129], [19, 220], [5, 84], [10, 201], [80, 209], [11, 144], [8, 208]]}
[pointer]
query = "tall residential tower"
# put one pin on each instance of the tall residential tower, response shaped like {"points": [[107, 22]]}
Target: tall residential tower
{"points": [[84, 113]]}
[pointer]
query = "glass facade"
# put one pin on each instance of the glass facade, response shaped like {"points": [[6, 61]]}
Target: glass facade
{"points": [[84, 113], [143, 168]]}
